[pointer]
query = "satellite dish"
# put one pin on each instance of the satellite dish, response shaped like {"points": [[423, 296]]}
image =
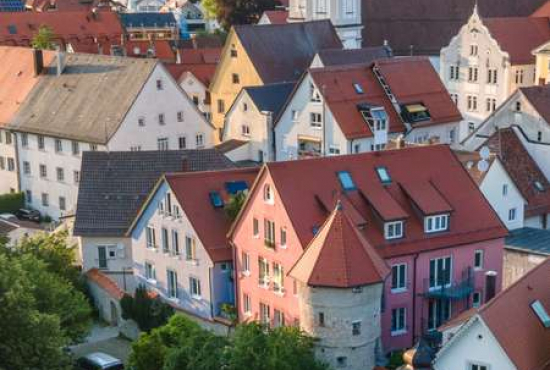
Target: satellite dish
{"points": [[483, 165], [485, 152]]}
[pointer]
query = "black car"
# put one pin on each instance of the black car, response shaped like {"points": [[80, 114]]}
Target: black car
{"points": [[28, 214]]}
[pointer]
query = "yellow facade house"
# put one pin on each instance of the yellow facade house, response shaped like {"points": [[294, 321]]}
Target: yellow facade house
{"points": [[256, 55], [542, 53]]}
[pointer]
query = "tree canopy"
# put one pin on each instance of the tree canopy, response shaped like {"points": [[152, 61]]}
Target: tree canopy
{"points": [[41, 311], [182, 344], [233, 12], [43, 39]]}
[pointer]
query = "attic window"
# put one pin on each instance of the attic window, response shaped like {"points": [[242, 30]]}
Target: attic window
{"points": [[346, 181], [539, 186], [358, 88], [235, 187], [416, 113], [375, 117], [12, 29], [541, 313], [215, 199], [383, 174]]}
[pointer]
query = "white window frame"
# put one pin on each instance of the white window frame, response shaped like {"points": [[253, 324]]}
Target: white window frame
{"points": [[390, 231], [401, 325], [476, 253], [401, 285], [430, 223], [150, 272], [195, 287], [512, 214], [172, 284], [313, 122], [245, 261]]}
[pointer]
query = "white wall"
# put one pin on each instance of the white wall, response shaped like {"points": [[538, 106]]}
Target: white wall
{"points": [[473, 344], [442, 132], [8, 179], [492, 188], [119, 260], [287, 130], [162, 261], [193, 87], [245, 113], [169, 101], [489, 55]]}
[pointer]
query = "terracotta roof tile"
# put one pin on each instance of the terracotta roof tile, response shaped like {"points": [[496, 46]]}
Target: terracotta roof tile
{"points": [[543, 10], [472, 220], [211, 224], [518, 36], [17, 79], [203, 72], [339, 256], [276, 16], [104, 282], [523, 170], [414, 80], [514, 323]]}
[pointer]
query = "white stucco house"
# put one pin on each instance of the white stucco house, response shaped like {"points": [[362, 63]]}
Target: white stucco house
{"points": [[486, 62], [97, 103], [510, 332], [363, 108], [250, 119], [179, 244]]}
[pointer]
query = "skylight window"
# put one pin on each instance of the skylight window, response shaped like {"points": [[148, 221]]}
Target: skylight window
{"points": [[216, 199], [346, 181], [540, 311], [358, 88], [383, 174], [234, 187], [539, 186]]}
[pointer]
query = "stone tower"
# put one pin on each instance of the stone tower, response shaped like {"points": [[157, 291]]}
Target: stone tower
{"points": [[341, 278], [344, 14]]}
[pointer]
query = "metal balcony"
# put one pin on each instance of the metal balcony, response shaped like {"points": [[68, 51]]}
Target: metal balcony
{"points": [[454, 290]]}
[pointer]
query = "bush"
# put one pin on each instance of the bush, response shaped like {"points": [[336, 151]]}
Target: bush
{"points": [[147, 312], [10, 203]]}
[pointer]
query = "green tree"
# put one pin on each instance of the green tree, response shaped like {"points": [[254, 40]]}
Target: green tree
{"points": [[210, 8], [233, 207], [31, 339], [43, 39], [147, 312], [234, 12]]}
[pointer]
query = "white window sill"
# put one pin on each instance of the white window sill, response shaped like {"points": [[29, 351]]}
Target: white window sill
{"points": [[280, 293], [283, 246], [151, 281], [192, 262], [398, 333], [479, 268], [398, 290], [248, 314], [245, 273], [316, 127], [174, 300], [152, 249], [264, 286]]}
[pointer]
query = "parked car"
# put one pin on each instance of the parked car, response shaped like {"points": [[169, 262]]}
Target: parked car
{"points": [[28, 214], [98, 361]]}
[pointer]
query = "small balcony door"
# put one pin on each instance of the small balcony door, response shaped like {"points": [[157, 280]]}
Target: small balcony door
{"points": [[102, 257]]}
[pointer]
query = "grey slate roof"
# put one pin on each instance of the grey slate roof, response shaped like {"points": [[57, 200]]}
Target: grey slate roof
{"points": [[147, 20], [272, 97], [88, 101], [114, 185], [282, 52], [529, 239], [336, 57]]}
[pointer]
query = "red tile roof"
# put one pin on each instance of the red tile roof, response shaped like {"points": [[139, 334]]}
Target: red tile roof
{"points": [[309, 204], [277, 16], [414, 80], [203, 72], [523, 170], [16, 78], [542, 11], [81, 29], [514, 323], [518, 36], [192, 190], [539, 97], [339, 257], [104, 282], [200, 56], [139, 48], [336, 84]]}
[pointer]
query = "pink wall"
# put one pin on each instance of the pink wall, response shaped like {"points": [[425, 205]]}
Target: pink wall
{"points": [[462, 257], [245, 242]]}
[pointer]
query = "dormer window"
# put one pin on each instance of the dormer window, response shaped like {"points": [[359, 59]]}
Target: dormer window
{"points": [[393, 230], [375, 117], [436, 223]]}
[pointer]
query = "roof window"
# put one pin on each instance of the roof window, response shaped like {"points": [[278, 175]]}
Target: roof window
{"points": [[358, 88], [346, 181], [235, 187], [539, 186], [216, 199], [383, 174], [541, 313], [415, 113]]}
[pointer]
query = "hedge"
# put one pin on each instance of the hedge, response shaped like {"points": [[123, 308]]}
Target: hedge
{"points": [[10, 203]]}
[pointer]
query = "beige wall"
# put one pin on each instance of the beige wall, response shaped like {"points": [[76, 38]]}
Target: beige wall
{"points": [[222, 87], [517, 264], [543, 66]]}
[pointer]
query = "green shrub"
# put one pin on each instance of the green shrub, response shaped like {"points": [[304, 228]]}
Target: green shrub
{"points": [[10, 203]]}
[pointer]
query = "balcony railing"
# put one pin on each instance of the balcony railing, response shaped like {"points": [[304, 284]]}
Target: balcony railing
{"points": [[455, 289]]}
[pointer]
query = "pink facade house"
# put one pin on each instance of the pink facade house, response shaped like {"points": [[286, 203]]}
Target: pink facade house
{"points": [[417, 208]]}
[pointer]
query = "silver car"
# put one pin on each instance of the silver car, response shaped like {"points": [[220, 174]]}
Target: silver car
{"points": [[99, 361]]}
